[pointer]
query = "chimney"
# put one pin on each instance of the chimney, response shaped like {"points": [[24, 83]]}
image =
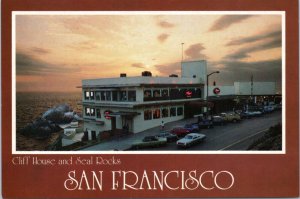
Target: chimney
{"points": [[146, 74]]}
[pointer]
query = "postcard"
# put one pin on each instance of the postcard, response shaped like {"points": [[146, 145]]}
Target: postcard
{"points": [[138, 100]]}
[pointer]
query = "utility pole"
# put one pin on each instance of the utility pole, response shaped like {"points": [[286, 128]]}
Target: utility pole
{"points": [[181, 56]]}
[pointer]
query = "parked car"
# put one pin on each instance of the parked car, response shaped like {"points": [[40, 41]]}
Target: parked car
{"points": [[190, 139], [193, 128], [150, 141], [269, 109], [169, 136], [179, 131], [205, 123], [231, 117], [218, 120]]}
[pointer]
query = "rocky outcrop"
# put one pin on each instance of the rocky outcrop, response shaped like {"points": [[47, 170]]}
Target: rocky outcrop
{"points": [[43, 127]]}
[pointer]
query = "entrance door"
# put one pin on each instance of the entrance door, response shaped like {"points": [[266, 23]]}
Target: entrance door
{"points": [[113, 123], [94, 137]]}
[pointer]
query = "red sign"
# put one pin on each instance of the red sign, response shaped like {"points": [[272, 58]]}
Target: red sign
{"points": [[217, 91], [106, 115], [188, 94]]}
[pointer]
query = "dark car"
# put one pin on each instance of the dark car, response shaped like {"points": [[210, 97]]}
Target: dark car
{"points": [[180, 131], [169, 136], [218, 120], [193, 128], [205, 123]]}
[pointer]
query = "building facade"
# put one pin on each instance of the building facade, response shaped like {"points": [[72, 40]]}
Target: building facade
{"points": [[139, 103]]}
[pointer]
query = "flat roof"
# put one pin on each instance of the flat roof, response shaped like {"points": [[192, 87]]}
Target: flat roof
{"points": [[140, 81]]}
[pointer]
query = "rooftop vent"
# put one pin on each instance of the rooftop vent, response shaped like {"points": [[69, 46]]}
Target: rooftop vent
{"points": [[123, 75], [173, 75], [146, 74]]}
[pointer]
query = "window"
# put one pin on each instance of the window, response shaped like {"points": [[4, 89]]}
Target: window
{"points": [[92, 112], [164, 92], [87, 111], [165, 112], [115, 95], [97, 96], [147, 115], [131, 96], [156, 113], [108, 95], [147, 93], [174, 94], [173, 111], [87, 95], [123, 96], [179, 111], [98, 113], [92, 95], [156, 93], [103, 95]]}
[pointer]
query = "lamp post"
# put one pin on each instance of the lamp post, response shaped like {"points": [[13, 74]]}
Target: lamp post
{"points": [[207, 82]]}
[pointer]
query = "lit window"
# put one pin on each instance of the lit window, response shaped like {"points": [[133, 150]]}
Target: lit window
{"points": [[165, 112], [87, 111], [86, 95], [92, 95], [156, 113], [147, 115], [92, 112]]}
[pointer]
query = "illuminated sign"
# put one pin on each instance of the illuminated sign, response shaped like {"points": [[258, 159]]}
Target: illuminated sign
{"points": [[106, 115], [216, 91], [188, 93]]}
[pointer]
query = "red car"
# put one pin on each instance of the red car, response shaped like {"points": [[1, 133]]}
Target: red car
{"points": [[180, 131]]}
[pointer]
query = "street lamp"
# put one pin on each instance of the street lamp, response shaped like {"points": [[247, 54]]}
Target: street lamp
{"points": [[207, 82]]}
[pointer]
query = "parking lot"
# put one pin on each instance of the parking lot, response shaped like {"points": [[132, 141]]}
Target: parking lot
{"points": [[232, 136]]}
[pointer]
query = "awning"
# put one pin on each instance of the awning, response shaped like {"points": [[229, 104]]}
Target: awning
{"points": [[201, 104], [116, 114]]}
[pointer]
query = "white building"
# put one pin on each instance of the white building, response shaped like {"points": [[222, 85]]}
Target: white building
{"points": [[140, 103]]}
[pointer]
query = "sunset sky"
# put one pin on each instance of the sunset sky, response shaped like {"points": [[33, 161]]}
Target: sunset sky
{"points": [[55, 52]]}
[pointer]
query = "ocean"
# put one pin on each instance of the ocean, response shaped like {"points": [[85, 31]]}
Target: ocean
{"points": [[32, 105]]}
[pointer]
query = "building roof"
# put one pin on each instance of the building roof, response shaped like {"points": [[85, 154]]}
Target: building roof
{"points": [[140, 81]]}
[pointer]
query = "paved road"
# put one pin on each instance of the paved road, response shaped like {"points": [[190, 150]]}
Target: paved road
{"points": [[233, 136]]}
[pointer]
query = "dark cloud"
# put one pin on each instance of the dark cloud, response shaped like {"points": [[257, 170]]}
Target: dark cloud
{"points": [[169, 68], [27, 64], [259, 37], [165, 24], [226, 21], [162, 37], [138, 65], [40, 50], [244, 52], [231, 71], [195, 52]]}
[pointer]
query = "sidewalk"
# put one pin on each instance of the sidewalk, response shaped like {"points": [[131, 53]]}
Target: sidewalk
{"points": [[124, 143]]}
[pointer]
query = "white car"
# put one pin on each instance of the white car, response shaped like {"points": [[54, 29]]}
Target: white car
{"points": [[190, 139]]}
